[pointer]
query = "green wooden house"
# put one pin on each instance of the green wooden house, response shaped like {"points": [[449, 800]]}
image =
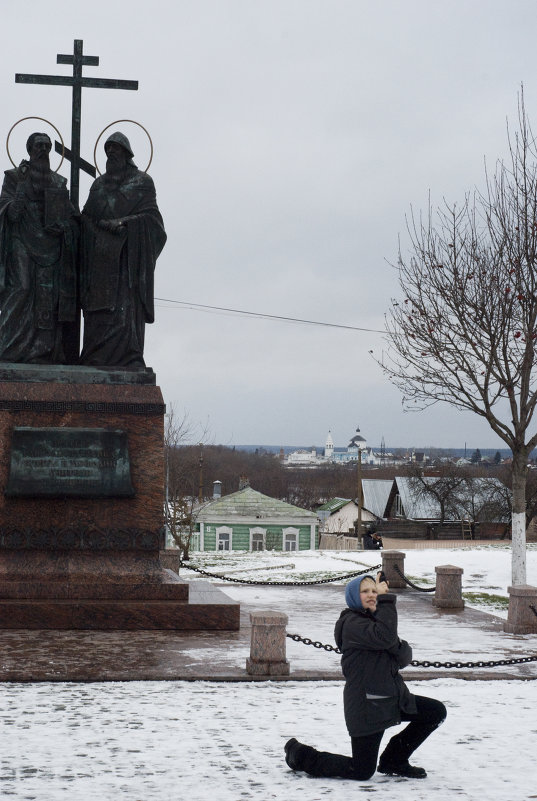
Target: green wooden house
{"points": [[247, 520]]}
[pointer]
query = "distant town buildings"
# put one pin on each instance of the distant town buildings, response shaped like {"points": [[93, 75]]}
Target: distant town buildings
{"points": [[335, 455]]}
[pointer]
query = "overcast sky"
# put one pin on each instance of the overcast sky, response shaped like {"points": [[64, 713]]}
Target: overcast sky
{"points": [[291, 138]]}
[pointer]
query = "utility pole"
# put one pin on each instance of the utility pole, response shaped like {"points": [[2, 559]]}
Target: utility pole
{"points": [[200, 491], [360, 494]]}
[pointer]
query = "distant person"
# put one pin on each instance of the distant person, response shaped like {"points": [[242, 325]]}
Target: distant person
{"points": [[372, 541], [375, 696]]}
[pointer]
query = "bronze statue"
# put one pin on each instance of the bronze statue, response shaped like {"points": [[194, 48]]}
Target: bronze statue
{"points": [[122, 237], [38, 251]]}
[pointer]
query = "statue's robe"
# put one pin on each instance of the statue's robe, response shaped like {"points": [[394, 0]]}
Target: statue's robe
{"points": [[117, 270], [37, 269]]}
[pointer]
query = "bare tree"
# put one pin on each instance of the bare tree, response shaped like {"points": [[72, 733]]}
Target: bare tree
{"points": [[485, 499], [182, 502], [465, 330], [441, 487]]}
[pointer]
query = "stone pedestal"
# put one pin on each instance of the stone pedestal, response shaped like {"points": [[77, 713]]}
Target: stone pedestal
{"points": [[391, 560], [81, 522], [448, 593], [267, 648], [520, 618]]}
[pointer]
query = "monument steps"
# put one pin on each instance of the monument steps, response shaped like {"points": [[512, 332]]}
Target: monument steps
{"points": [[207, 608]]}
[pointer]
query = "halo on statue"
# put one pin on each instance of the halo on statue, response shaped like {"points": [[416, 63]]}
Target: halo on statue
{"points": [[22, 119], [116, 122]]}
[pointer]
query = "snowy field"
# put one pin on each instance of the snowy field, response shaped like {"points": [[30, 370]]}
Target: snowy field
{"points": [[487, 568], [159, 741]]}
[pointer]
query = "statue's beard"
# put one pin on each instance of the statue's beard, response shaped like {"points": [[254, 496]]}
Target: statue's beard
{"points": [[115, 170], [40, 171]]}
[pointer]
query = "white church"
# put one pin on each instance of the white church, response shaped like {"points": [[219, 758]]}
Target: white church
{"points": [[333, 455]]}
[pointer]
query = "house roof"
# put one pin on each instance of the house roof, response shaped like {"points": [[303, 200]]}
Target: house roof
{"points": [[334, 505], [249, 503], [376, 492], [422, 507], [425, 507]]}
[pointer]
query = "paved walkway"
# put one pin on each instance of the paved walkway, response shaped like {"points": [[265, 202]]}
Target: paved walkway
{"points": [[464, 635]]}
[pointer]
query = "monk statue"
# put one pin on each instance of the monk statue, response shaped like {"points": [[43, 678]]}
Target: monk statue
{"points": [[122, 237], [38, 252]]}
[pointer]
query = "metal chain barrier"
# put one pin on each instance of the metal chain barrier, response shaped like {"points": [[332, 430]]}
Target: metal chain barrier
{"points": [[278, 583], [425, 664], [411, 583], [533, 609], [315, 643]]}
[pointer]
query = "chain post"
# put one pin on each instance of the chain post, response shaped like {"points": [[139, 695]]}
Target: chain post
{"points": [[393, 565], [520, 619], [267, 646], [448, 593]]}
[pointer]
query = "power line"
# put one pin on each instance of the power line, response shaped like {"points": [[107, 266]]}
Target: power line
{"points": [[199, 306]]}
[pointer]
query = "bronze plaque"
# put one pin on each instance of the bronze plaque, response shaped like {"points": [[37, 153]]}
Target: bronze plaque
{"points": [[69, 462]]}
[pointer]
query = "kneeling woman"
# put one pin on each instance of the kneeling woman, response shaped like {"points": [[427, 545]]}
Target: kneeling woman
{"points": [[375, 695]]}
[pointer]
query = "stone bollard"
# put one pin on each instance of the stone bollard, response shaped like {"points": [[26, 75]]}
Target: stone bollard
{"points": [[170, 559], [391, 560], [448, 594], [520, 618], [267, 648]]}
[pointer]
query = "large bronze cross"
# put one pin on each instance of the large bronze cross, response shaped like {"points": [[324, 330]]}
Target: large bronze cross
{"points": [[78, 60]]}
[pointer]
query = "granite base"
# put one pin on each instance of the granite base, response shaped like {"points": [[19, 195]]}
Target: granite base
{"points": [[80, 561], [210, 609]]}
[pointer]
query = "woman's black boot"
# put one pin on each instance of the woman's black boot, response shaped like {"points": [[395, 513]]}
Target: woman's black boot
{"points": [[299, 756], [394, 762], [317, 763]]}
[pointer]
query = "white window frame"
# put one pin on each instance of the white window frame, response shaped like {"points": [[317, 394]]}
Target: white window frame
{"points": [[258, 530], [224, 530], [296, 533]]}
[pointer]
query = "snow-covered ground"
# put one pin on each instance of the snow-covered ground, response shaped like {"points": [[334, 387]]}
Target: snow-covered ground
{"points": [[487, 568], [159, 741], [313, 611]]}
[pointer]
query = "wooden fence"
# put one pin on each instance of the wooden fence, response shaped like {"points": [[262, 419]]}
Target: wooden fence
{"points": [[335, 542]]}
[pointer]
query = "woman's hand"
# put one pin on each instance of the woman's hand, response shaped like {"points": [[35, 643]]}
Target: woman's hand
{"points": [[382, 584]]}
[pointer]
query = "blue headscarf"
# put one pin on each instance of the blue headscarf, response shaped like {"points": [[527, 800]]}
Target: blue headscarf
{"points": [[352, 592]]}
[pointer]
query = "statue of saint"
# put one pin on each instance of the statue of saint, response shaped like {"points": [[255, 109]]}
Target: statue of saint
{"points": [[38, 254], [122, 237]]}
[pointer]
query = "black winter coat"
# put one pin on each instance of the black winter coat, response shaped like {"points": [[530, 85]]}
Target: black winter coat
{"points": [[372, 655]]}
